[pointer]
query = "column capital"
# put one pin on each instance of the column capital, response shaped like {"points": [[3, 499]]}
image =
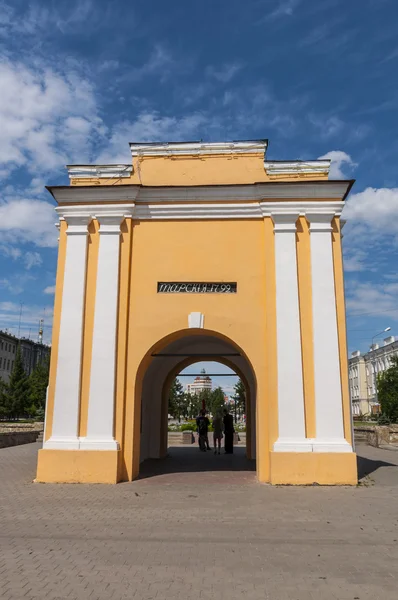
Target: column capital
{"points": [[285, 222], [77, 223], [320, 221], [110, 223]]}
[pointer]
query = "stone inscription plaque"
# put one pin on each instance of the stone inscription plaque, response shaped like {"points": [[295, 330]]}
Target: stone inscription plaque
{"points": [[196, 287]]}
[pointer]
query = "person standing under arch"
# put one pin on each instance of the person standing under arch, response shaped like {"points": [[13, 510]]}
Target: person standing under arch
{"points": [[217, 432], [228, 432]]}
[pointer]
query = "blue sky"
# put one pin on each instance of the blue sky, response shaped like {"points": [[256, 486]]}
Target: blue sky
{"points": [[79, 80]]}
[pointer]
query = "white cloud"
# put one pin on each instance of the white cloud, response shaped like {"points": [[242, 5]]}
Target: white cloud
{"points": [[374, 208], [147, 127], [10, 251], [160, 63], [37, 19], [375, 298], [339, 160], [32, 259], [47, 117], [16, 284], [224, 73], [355, 260], [49, 289], [283, 8], [28, 221]]}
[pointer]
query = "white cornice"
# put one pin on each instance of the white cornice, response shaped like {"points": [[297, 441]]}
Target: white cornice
{"points": [[96, 193], [314, 190], [199, 148], [297, 167], [99, 171], [93, 211], [193, 211]]}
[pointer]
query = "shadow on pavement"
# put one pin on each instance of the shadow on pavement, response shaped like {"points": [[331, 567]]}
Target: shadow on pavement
{"points": [[190, 460], [366, 466]]}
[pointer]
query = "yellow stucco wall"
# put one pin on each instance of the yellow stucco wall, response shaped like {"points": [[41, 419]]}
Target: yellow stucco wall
{"points": [[199, 170], [179, 251]]}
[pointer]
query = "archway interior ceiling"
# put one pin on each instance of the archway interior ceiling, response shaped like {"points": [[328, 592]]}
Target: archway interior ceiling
{"points": [[194, 348]]}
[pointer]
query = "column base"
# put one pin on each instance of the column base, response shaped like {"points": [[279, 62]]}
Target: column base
{"points": [[80, 443], [312, 445], [307, 468], [293, 445], [77, 466]]}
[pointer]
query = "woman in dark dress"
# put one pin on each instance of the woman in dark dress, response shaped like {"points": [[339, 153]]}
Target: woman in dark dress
{"points": [[228, 432]]}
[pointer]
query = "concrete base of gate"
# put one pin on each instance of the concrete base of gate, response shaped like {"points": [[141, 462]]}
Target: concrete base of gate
{"points": [[306, 468], [78, 466]]}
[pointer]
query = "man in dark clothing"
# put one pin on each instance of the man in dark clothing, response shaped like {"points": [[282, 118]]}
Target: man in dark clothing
{"points": [[202, 423], [229, 431]]}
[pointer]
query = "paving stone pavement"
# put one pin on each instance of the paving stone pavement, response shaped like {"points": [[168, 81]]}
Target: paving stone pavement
{"points": [[211, 534]]}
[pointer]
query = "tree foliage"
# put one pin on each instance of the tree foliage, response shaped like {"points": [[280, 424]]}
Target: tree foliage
{"points": [[24, 396], [176, 400], [217, 401], [239, 398], [387, 389], [18, 389], [38, 382]]}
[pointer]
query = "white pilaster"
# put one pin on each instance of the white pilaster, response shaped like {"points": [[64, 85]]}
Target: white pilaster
{"points": [[67, 385], [328, 398], [100, 435], [290, 370]]}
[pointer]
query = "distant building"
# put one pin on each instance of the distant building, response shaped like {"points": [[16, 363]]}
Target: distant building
{"points": [[363, 370], [200, 384], [33, 353]]}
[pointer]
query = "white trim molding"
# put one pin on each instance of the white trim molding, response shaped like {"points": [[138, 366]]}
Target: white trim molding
{"points": [[328, 394], [101, 406], [294, 191], [193, 210], [198, 148], [99, 171], [297, 167], [67, 385], [291, 419]]}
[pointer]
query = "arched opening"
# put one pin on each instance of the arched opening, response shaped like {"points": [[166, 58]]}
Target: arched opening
{"points": [[156, 374]]}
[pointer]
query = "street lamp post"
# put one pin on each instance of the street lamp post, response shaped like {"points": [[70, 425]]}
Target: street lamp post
{"points": [[374, 362]]}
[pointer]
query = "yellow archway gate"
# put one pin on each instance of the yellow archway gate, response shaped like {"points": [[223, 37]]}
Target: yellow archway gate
{"points": [[199, 238], [177, 352]]}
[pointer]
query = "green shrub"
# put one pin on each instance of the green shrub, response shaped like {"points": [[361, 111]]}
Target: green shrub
{"points": [[383, 420], [240, 427]]}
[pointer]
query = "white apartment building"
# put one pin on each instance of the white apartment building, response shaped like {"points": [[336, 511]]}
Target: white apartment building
{"points": [[200, 383], [363, 370]]}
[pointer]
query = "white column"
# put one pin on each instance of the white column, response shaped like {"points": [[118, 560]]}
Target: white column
{"points": [[328, 398], [290, 368], [67, 384], [101, 407]]}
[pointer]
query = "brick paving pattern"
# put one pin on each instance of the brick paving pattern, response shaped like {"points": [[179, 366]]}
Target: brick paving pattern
{"points": [[213, 534]]}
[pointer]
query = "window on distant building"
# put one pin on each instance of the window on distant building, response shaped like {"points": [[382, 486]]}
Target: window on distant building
{"points": [[8, 364], [1, 361], [12, 365]]}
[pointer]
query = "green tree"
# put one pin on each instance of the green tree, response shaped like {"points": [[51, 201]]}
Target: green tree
{"points": [[217, 400], [176, 400], [3, 399], [387, 390], [204, 399], [239, 398], [193, 405], [38, 382], [18, 389]]}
